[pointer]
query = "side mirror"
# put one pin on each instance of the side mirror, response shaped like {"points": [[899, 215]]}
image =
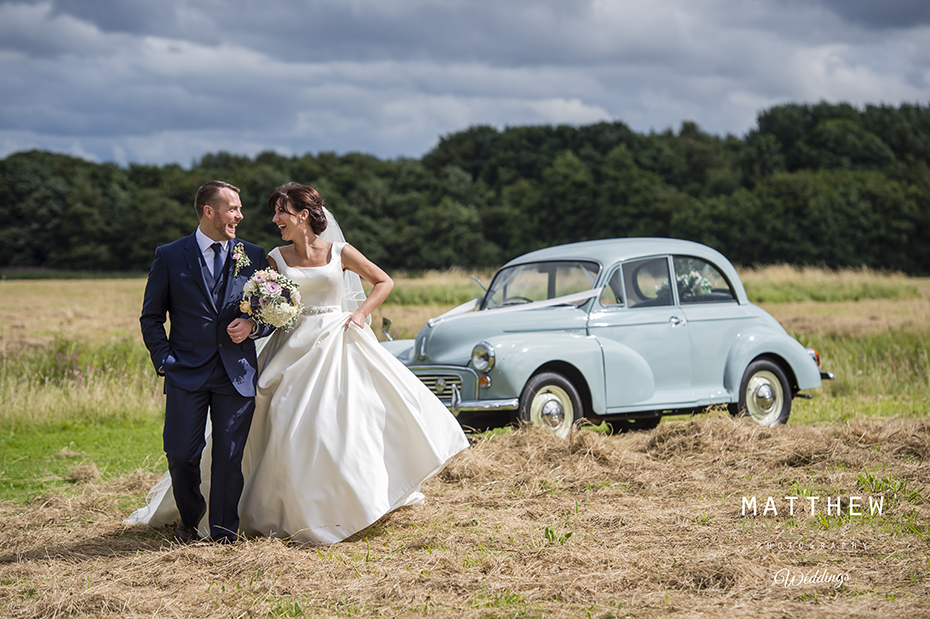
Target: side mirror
{"points": [[386, 328]]}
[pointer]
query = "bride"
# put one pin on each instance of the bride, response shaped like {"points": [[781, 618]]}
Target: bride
{"points": [[343, 433]]}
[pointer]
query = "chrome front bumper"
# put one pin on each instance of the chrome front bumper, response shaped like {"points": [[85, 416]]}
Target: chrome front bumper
{"points": [[480, 406]]}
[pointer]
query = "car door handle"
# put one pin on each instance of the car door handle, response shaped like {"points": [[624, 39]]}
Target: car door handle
{"points": [[675, 321]]}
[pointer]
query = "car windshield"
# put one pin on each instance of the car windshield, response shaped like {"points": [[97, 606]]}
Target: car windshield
{"points": [[539, 281]]}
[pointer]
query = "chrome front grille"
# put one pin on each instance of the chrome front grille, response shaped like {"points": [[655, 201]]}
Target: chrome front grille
{"points": [[441, 385]]}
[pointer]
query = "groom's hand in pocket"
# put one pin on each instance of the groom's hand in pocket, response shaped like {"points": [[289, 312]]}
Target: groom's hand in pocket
{"points": [[169, 360]]}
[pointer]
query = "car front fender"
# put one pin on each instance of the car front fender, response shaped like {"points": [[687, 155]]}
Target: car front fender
{"points": [[519, 357]]}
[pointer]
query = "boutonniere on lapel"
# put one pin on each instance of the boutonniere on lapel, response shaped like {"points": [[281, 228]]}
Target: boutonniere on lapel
{"points": [[241, 259]]}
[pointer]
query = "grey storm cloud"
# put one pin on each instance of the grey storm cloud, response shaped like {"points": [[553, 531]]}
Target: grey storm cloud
{"points": [[133, 80], [880, 15]]}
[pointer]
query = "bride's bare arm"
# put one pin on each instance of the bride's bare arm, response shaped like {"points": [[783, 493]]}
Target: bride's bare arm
{"points": [[272, 263], [353, 260]]}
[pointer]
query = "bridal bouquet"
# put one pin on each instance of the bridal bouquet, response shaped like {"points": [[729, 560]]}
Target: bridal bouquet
{"points": [[271, 299]]}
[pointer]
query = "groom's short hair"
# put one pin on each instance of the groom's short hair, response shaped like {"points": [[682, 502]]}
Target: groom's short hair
{"points": [[208, 193]]}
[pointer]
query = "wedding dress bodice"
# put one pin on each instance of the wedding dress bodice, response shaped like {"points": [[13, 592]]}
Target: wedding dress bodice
{"points": [[319, 286]]}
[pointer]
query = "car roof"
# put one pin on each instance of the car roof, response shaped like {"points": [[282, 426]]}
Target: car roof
{"points": [[611, 251], [608, 251]]}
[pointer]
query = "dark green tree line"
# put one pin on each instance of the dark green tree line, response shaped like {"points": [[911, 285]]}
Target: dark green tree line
{"points": [[825, 184]]}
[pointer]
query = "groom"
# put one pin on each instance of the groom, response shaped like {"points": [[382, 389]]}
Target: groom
{"points": [[208, 360]]}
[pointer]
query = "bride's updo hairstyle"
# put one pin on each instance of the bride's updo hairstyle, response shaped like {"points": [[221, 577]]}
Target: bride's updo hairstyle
{"points": [[294, 198]]}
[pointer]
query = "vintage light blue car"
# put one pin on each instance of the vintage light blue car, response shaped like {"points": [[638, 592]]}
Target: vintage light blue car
{"points": [[597, 330]]}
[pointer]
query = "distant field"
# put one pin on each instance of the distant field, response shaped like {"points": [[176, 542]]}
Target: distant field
{"points": [[787, 284], [872, 331], [806, 300], [71, 349]]}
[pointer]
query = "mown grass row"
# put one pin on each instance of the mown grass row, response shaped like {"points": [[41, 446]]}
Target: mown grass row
{"points": [[878, 374], [791, 284], [111, 379], [101, 402], [879, 364], [73, 407], [78, 380], [81, 381]]}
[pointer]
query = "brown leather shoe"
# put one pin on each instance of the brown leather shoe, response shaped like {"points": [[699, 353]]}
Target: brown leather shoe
{"points": [[187, 533], [184, 533]]}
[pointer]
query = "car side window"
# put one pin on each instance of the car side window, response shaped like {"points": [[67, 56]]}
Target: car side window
{"points": [[701, 282], [612, 296], [647, 283]]}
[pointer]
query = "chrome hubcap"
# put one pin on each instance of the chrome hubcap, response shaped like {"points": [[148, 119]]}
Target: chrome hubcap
{"points": [[552, 413], [552, 409], [765, 398]]}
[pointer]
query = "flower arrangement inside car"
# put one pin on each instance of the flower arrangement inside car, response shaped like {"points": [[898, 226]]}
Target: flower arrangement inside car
{"points": [[270, 298], [689, 285], [692, 284]]}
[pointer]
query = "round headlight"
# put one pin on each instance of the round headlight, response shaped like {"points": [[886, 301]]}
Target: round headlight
{"points": [[482, 357]]}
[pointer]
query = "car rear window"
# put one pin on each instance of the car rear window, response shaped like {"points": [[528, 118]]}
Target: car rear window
{"points": [[700, 282]]}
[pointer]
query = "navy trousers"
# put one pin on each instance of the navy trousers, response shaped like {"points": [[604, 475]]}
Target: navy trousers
{"points": [[185, 424]]}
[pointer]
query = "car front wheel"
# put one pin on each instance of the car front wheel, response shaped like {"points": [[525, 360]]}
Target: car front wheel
{"points": [[550, 401], [764, 394]]}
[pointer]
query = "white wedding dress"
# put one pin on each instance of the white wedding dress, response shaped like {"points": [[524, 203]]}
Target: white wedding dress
{"points": [[343, 433]]}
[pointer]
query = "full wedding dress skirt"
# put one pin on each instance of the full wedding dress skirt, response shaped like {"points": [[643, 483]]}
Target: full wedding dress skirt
{"points": [[343, 433]]}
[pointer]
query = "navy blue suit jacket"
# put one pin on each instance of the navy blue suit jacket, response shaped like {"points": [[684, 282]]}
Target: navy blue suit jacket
{"points": [[177, 288]]}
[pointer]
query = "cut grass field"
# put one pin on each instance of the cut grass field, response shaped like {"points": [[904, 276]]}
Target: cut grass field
{"points": [[520, 525], [525, 525]]}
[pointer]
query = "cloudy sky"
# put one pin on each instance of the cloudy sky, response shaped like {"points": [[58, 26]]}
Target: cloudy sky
{"points": [[160, 81]]}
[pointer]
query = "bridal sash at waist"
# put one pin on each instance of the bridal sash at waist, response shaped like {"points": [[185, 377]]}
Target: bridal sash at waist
{"points": [[320, 309]]}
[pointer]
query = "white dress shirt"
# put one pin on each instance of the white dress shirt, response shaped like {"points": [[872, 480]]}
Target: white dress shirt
{"points": [[205, 243]]}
